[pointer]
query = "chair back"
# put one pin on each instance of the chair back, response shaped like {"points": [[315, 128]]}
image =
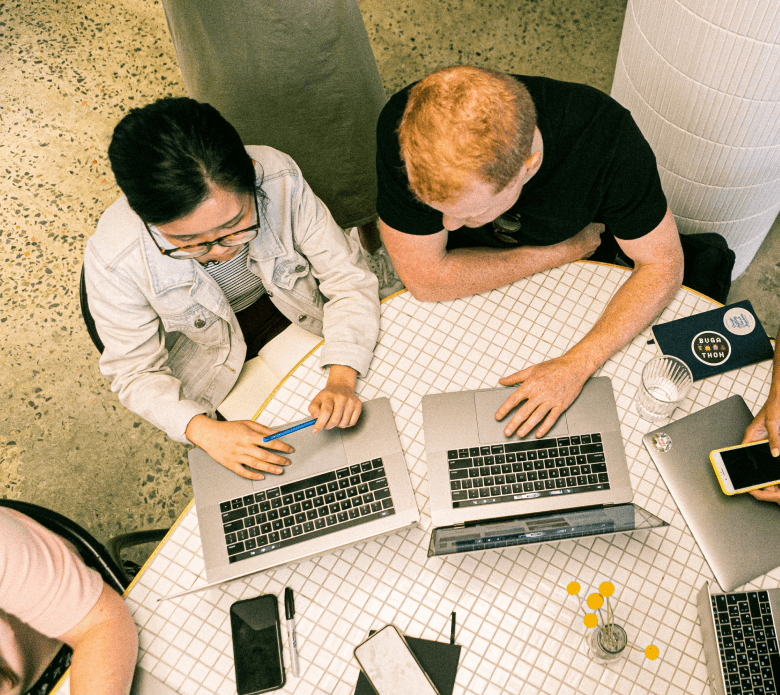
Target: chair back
{"points": [[92, 552], [87, 316]]}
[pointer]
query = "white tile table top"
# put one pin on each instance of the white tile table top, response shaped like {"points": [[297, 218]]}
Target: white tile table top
{"points": [[520, 630]]}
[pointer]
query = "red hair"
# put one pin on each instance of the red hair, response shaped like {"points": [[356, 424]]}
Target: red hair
{"points": [[462, 121]]}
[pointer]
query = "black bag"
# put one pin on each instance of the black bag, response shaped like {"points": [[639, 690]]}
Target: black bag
{"points": [[708, 262]]}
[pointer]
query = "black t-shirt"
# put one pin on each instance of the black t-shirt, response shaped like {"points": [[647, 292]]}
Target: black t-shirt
{"points": [[597, 167]]}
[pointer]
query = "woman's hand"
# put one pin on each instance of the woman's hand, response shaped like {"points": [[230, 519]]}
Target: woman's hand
{"points": [[766, 425], [767, 494], [238, 445], [337, 405]]}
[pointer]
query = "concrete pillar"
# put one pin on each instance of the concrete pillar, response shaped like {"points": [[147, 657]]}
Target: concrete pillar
{"points": [[702, 80]]}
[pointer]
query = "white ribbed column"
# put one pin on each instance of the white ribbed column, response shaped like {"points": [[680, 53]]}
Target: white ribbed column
{"points": [[702, 80]]}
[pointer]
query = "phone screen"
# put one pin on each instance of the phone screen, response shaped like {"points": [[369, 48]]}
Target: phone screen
{"points": [[751, 465], [386, 659], [257, 645]]}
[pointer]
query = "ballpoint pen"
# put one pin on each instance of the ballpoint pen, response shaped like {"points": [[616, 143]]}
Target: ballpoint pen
{"points": [[289, 614], [290, 430]]}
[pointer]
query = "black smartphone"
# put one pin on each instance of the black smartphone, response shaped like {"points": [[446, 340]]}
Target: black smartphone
{"points": [[745, 467], [257, 645]]}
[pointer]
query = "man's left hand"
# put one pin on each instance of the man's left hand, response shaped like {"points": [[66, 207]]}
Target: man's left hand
{"points": [[337, 405], [545, 391]]}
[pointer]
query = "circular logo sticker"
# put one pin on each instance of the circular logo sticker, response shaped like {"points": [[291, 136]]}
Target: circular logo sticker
{"points": [[661, 442], [739, 321], [711, 348]]}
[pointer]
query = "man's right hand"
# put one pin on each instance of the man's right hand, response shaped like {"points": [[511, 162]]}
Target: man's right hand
{"points": [[238, 445], [585, 242]]}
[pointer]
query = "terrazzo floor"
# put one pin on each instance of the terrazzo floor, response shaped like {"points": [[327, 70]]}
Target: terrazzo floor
{"points": [[69, 70]]}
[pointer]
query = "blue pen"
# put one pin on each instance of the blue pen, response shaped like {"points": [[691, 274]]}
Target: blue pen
{"points": [[290, 430]]}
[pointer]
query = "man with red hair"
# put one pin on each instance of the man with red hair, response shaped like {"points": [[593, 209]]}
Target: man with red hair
{"points": [[485, 178]]}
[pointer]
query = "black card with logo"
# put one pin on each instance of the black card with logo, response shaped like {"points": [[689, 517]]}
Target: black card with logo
{"points": [[716, 341]]}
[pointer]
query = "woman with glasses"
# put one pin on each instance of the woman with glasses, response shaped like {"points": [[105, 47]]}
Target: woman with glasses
{"points": [[212, 251]]}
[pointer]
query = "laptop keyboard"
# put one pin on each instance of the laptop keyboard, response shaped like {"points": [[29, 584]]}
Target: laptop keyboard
{"points": [[525, 470], [299, 511], [747, 642]]}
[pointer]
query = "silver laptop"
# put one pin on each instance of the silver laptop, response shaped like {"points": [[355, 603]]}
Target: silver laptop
{"points": [[342, 486], [476, 473], [732, 531], [541, 528], [739, 637]]}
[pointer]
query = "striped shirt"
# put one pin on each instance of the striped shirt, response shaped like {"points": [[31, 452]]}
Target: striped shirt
{"points": [[240, 285]]}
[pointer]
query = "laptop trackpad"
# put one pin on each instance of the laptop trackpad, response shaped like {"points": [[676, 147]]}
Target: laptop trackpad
{"points": [[491, 431], [314, 453]]}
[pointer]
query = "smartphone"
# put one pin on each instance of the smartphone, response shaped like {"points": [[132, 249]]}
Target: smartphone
{"points": [[745, 467], [391, 666], [257, 645]]}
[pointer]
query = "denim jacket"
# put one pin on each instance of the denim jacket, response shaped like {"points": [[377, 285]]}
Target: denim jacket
{"points": [[173, 346]]}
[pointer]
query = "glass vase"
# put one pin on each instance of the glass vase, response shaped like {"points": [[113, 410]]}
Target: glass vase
{"points": [[607, 643]]}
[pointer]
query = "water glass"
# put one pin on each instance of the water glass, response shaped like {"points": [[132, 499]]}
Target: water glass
{"points": [[665, 382]]}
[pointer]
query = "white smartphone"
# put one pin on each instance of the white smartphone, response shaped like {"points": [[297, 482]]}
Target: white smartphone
{"points": [[745, 467], [391, 666]]}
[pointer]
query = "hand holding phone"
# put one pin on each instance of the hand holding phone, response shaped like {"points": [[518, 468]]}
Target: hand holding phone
{"points": [[745, 467], [257, 645], [391, 666]]}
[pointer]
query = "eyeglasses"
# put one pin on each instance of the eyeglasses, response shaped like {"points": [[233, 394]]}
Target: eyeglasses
{"points": [[242, 236]]}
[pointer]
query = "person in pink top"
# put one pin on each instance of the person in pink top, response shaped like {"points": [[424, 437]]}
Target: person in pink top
{"points": [[49, 597]]}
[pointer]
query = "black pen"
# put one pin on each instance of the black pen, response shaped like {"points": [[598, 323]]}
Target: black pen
{"points": [[289, 614], [452, 629]]}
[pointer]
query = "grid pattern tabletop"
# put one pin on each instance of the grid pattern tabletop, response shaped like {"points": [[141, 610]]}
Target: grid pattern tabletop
{"points": [[521, 631]]}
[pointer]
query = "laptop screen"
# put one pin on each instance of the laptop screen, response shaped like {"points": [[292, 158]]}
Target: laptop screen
{"points": [[541, 528]]}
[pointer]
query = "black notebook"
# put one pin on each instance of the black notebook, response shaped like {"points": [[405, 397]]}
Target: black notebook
{"points": [[438, 659], [716, 341]]}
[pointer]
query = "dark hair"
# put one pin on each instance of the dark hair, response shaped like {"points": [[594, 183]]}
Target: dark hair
{"points": [[7, 676], [166, 155]]}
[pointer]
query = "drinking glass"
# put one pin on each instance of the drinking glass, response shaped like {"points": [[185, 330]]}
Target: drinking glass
{"points": [[665, 382]]}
